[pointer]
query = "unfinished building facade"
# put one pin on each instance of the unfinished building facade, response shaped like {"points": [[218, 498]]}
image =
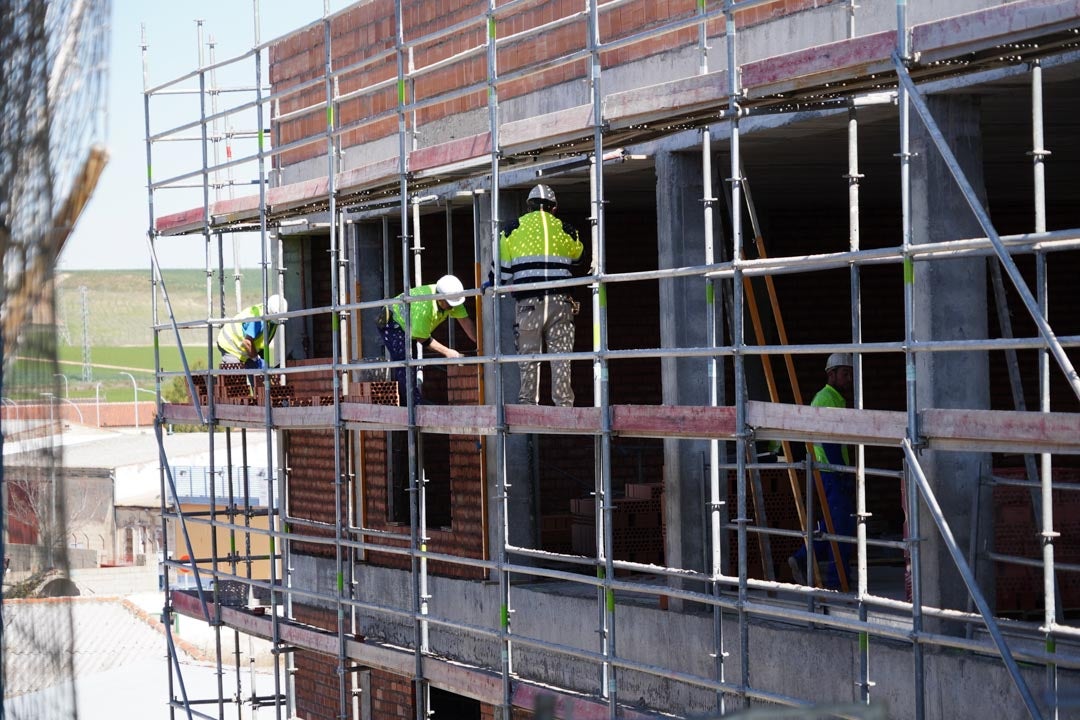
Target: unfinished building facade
{"points": [[757, 185]]}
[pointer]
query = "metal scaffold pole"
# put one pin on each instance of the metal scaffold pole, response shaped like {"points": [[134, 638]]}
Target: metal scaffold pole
{"points": [[712, 299], [853, 177], [737, 341], [498, 501]]}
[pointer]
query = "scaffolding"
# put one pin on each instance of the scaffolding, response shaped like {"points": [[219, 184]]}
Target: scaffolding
{"points": [[475, 172]]}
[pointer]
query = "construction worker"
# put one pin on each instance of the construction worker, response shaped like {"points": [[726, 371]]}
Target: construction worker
{"points": [[244, 340], [425, 316], [839, 486], [534, 248]]}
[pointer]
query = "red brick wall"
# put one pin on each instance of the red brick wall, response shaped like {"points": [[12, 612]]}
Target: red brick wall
{"points": [[316, 680], [466, 535], [112, 414], [391, 697], [370, 29], [309, 457]]}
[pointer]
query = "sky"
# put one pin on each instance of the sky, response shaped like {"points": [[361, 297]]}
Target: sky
{"points": [[111, 234]]}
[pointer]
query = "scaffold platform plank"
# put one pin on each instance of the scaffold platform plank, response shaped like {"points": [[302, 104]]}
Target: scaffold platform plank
{"points": [[990, 430], [474, 682]]}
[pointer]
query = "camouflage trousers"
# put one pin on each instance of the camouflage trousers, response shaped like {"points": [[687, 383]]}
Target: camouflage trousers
{"points": [[545, 324]]}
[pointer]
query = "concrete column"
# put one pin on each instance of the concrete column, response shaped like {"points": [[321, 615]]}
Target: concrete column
{"points": [[522, 507], [680, 240], [951, 304]]}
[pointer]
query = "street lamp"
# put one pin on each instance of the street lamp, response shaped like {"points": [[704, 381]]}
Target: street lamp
{"points": [[97, 402], [63, 377], [135, 394]]}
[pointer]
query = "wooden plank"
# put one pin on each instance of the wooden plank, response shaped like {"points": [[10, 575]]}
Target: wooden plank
{"points": [[819, 64], [369, 175], [386, 417], [1001, 430], [990, 27], [448, 153], [179, 223], [298, 194], [224, 212], [660, 101], [457, 419], [479, 683], [545, 130], [845, 425], [548, 419], [673, 421]]}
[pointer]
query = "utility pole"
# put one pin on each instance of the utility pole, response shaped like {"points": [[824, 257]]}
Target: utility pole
{"points": [[87, 368]]}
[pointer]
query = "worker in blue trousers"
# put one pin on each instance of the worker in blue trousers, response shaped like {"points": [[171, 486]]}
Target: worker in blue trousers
{"points": [[839, 486]]}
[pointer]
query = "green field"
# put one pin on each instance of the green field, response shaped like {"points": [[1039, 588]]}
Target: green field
{"points": [[116, 324]]}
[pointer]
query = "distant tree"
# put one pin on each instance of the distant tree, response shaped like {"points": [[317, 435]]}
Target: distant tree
{"points": [[176, 391]]}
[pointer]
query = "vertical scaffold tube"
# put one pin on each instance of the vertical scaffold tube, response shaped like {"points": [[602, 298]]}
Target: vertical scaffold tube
{"points": [[914, 562], [209, 263], [500, 499], [853, 177], [601, 399], [1052, 611], [715, 501], [271, 498], [414, 447], [737, 345], [341, 586]]}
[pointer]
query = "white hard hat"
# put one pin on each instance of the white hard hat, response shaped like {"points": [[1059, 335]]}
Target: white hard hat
{"points": [[542, 193], [838, 360], [450, 285], [275, 305]]}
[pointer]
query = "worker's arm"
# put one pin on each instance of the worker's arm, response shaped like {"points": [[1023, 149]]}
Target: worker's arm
{"points": [[249, 349], [468, 326], [436, 346]]}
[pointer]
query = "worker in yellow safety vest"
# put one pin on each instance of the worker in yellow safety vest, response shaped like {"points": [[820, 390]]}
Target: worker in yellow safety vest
{"points": [[537, 247], [839, 485], [245, 339]]}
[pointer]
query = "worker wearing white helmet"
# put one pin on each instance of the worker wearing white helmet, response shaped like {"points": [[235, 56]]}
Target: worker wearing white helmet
{"points": [[839, 486], [245, 339], [425, 316], [539, 247]]}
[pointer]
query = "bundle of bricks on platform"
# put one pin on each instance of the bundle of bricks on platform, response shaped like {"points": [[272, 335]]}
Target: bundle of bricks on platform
{"points": [[376, 392], [637, 524]]}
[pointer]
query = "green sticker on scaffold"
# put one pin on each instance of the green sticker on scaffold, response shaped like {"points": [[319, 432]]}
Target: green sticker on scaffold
{"points": [[611, 600], [710, 294], [504, 617], [232, 544], [271, 546], [909, 271], [261, 135], [600, 573], [491, 28], [864, 641], [401, 91], [330, 117], [335, 321], [340, 582]]}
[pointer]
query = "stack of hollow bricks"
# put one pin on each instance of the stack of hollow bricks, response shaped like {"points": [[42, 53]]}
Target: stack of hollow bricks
{"points": [[637, 524], [369, 29]]}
